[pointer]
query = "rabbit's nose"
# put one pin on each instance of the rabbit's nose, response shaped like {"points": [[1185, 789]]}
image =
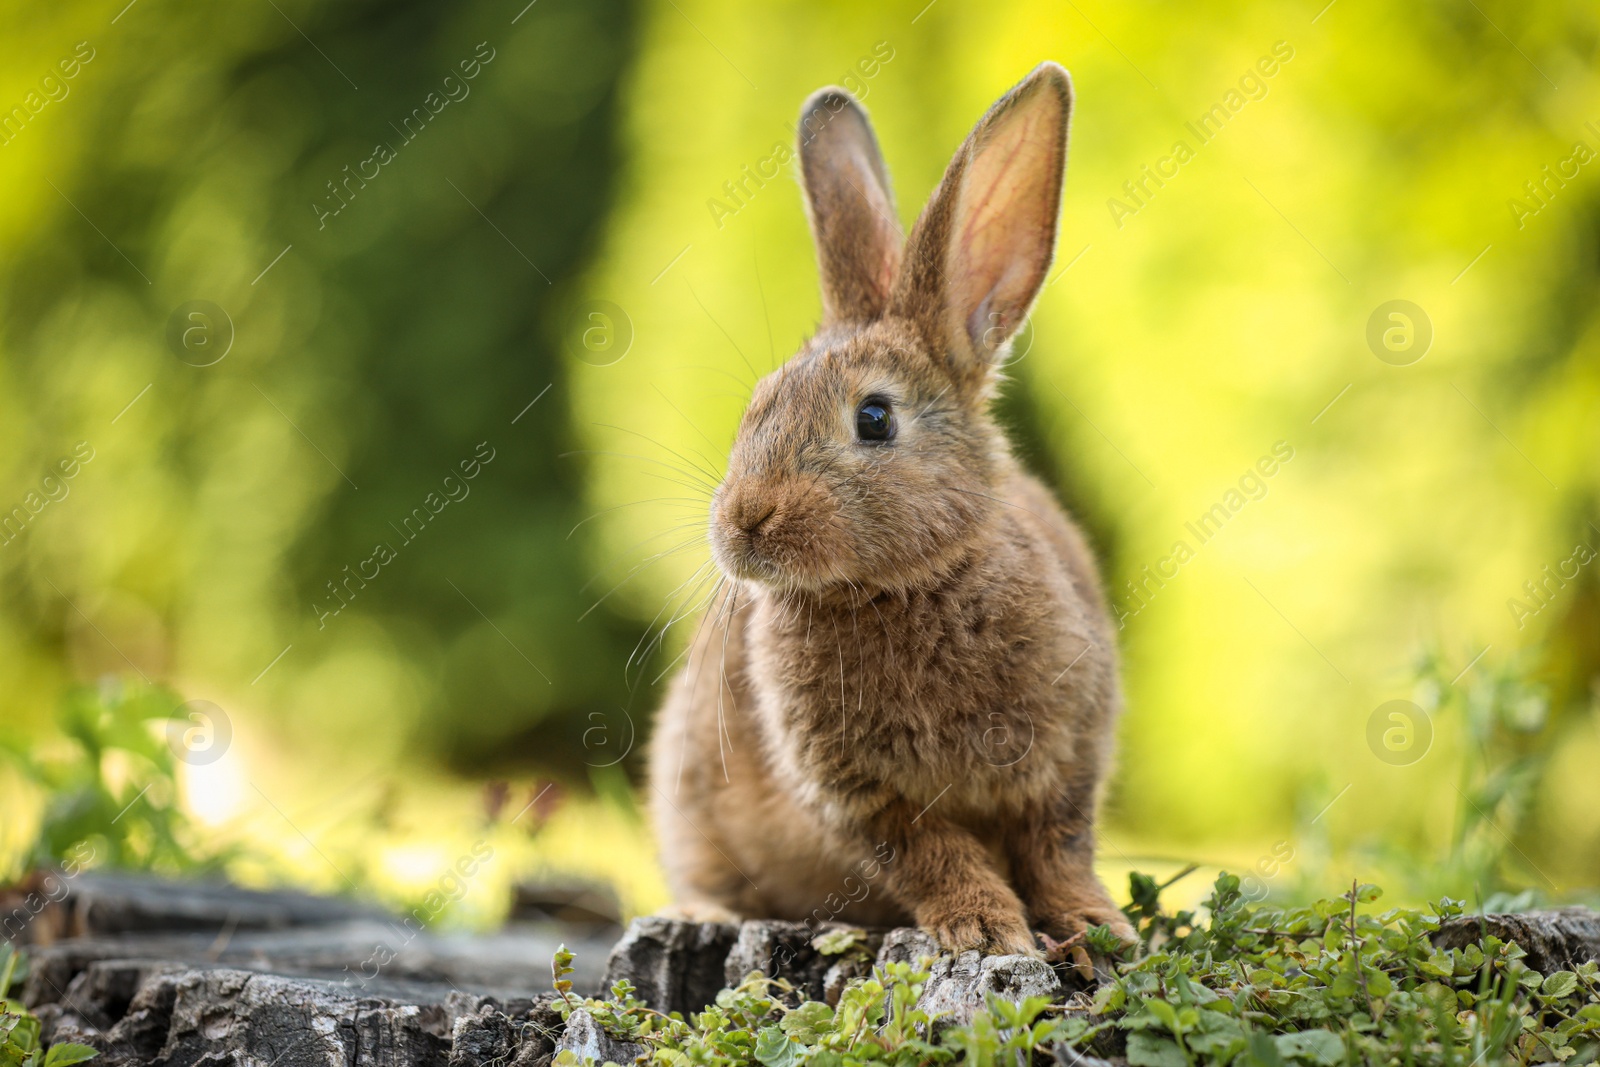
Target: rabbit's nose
{"points": [[751, 515]]}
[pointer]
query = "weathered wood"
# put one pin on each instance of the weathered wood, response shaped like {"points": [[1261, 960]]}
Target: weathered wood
{"points": [[175, 973], [285, 980], [149, 1013], [51, 905], [585, 1039], [958, 986], [514, 961], [673, 965], [678, 966], [1554, 940]]}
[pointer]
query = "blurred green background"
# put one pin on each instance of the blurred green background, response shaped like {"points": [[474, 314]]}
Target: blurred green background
{"points": [[392, 349]]}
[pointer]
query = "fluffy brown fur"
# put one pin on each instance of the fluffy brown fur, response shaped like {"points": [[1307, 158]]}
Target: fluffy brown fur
{"points": [[902, 704]]}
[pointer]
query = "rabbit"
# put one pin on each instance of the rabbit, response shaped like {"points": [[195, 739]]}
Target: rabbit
{"points": [[899, 706]]}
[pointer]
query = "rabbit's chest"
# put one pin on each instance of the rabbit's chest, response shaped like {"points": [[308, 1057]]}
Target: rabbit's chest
{"points": [[902, 695]]}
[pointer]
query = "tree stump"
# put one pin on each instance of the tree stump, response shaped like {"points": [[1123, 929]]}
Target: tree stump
{"points": [[159, 973]]}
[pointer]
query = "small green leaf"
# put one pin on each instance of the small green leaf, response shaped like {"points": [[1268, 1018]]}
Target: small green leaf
{"points": [[1559, 984], [1103, 941], [67, 1053], [838, 942], [1264, 1051], [1322, 1047], [1439, 964], [1150, 1050], [1110, 998], [807, 1022], [1164, 1013], [774, 1049]]}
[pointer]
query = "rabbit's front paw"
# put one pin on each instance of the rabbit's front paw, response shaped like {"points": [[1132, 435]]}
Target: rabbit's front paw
{"points": [[992, 929]]}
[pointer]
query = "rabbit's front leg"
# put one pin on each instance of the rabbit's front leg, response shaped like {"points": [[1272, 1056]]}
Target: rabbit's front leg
{"points": [[945, 877], [1051, 848]]}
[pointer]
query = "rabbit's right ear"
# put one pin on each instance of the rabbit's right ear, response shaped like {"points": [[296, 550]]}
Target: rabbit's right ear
{"points": [[851, 208], [978, 255]]}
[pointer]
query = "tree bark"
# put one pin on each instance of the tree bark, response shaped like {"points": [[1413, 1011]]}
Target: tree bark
{"points": [[173, 974]]}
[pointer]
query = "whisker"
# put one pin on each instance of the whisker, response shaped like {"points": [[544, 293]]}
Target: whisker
{"points": [[694, 487], [654, 535], [644, 650], [722, 687], [682, 501], [997, 500], [726, 334], [772, 349], [692, 424], [652, 638], [740, 382], [711, 618], [693, 682], [644, 459], [708, 471], [656, 558]]}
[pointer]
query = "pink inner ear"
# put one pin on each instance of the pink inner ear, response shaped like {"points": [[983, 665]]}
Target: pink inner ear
{"points": [[1005, 222]]}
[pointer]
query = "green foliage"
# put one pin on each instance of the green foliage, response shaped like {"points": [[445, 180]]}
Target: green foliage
{"points": [[839, 942], [407, 318], [110, 785], [1511, 729], [1512, 721], [19, 1029], [1331, 983], [1334, 982]]}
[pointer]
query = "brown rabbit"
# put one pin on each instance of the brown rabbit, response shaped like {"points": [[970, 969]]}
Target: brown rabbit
{"points": [[901, 704]]}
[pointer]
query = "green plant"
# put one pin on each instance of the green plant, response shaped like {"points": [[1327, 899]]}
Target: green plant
{"points": [[1331, 983], [19, 1029], [111, 783], [876, 1021], [1492, 735]]}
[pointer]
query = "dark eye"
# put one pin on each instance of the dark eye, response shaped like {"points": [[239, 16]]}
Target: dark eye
{"points": [[874, 420]]}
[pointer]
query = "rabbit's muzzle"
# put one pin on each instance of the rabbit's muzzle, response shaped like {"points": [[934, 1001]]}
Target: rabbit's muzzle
{"points": [[785, 532]]}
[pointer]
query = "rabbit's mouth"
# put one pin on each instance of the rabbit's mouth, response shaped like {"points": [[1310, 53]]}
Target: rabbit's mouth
{"points": [[786, 536]]}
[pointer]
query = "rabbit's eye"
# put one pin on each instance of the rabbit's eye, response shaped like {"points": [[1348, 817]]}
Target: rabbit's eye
{"points": [[874, 420]]}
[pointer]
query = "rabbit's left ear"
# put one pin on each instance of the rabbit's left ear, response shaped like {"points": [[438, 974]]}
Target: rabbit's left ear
{"points": [[850, 206], [978, 255]]}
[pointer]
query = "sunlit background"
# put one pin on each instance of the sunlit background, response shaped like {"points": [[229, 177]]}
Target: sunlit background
{"points": [[366, 367]]}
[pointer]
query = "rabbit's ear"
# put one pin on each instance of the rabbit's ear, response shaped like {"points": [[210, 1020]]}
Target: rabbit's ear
{"points": [[978, 255], [850, 206]]}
